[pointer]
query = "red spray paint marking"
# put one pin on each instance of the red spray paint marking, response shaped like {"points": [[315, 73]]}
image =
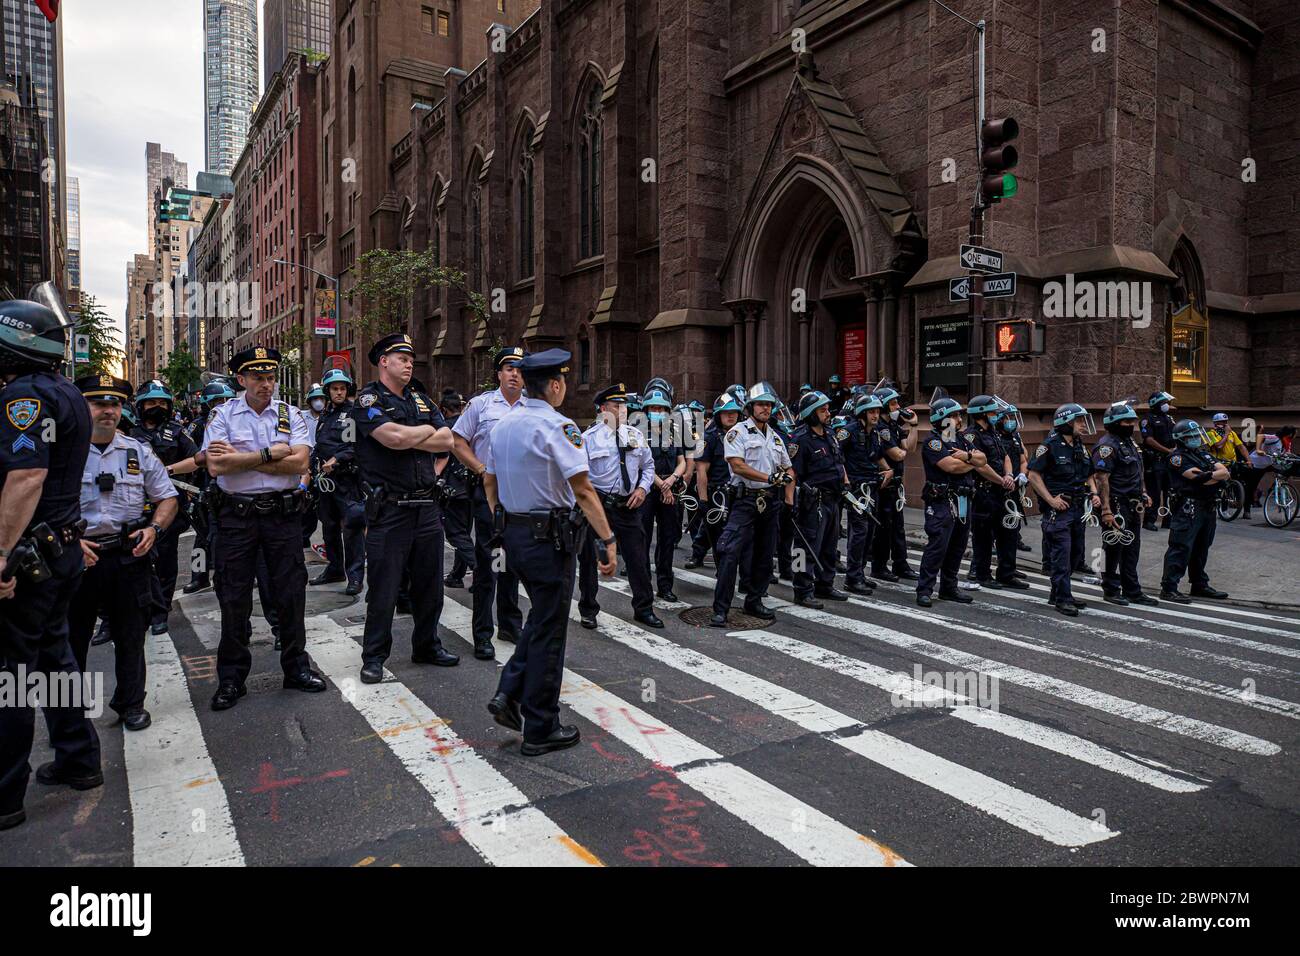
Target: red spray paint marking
{"points": [[266, 783], [679, 839]]}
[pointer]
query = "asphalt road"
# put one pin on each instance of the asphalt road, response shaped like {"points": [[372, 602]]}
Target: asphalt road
{"points": [[1161, 736]]}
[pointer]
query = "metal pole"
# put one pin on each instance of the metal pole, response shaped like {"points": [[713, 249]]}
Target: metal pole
{"points": [[975, 360]]}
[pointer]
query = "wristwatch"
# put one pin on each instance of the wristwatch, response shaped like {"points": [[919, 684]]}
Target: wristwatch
{"points": [[608, 541], [157, 528], [266, 455]]}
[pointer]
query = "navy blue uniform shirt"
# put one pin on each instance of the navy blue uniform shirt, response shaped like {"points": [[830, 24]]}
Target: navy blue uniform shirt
{"points": [[1184, 458], [1120, 459], [399, 471], [862, 450], [719, 472], [937, 448], [46, 424], [816, 458], [1064, 467]]}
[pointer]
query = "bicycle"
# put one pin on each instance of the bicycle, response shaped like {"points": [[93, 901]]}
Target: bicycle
{"points": [[1232, 494], [1281, 503]]}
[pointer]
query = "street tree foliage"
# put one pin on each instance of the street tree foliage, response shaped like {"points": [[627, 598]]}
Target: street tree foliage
{"points": [[387, 282], [182, 374], [105, 355]]}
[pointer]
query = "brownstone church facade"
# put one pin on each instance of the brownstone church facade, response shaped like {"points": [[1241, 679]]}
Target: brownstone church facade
{"points": [[722, 191]]}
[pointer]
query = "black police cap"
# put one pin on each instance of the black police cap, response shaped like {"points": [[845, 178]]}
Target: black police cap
{"points": [[257, 359], [549, 362], [390, 344], [510, 355], [104, 388], [614, 393]]}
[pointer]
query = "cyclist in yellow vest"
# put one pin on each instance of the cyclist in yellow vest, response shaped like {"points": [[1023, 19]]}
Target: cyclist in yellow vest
{"points": [[1225, 444]]}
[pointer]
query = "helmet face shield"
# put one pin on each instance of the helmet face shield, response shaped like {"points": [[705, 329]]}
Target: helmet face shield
{"points": [[47, 294], [1007, 410]]}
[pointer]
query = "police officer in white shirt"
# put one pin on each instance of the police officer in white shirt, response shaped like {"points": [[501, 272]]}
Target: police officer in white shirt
{"points": [[536, 470], [760, 469], [471, 433], [257, 450], [621, 468], [122, 476]]}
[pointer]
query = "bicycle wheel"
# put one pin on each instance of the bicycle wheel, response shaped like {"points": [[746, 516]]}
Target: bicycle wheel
{"points": [[1231, 499], [1280, 504]]}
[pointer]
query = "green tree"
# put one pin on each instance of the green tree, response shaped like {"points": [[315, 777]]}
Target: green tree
{"points": [[105, 355], [182, 373], [387, 281]]}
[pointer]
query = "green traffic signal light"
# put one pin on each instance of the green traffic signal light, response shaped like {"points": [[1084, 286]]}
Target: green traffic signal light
{"points": [[1009, 185]]}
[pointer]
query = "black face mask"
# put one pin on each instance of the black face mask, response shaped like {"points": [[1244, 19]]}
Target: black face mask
{"points": [[1123, 431], [155, 416]]}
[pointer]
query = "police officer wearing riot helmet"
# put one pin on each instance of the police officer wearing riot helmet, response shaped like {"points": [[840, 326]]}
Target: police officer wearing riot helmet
{"points": [[836, 392], [950, 464], [621, 468], [338, 486], [994, 482], [44, 442], [258, 449], [1061, 475], [1195, 480], [898, 437], [121, 476], [822, 479], [212, 396], [155, 406], [712, 475], [1007, 422], [1157, 445], [762, 481], [398, 430], [661, 508], [868, 470], [536, 472], [457, 497], [1117, 467]]}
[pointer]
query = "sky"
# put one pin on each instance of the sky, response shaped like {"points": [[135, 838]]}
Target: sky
{"points": [[132, 73]]}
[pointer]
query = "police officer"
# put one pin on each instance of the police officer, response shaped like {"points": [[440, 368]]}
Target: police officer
{"points": [[338, 486], [762, 481], [898, 437], [621, 468], [120, 476], [661, 508], [819, 470], [1117, 467], [950, 463], [994, 482], [316, 405], [1061, 475], [784, 423], [1007, 421], [457, 497], [836, 392], [712, 475], [1195, 480], [44, 441], [258, 449], [213, 395], [536, 471], [398, 430], [1157, 445], [472, 433], [868, 470], [174, 449]]}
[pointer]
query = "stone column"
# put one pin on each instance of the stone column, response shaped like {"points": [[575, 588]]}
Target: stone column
{"points": [[805, 345], [889, 332], [872, 292]]}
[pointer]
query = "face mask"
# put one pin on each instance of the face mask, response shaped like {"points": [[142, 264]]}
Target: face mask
{"points": [[658, 416], [1192, 442], [893, 416], [1125, 431], [318, 404], [1009, 424], [156, 416], [1164, 409]]}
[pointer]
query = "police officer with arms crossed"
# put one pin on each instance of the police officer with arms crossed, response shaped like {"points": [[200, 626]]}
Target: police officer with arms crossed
{"points": [[338, 486], [536, 470], [1117, 469], [471, 434], [1194, 482], [44, 440], [950, 463], [760, 468], [257, 450], [621, 469], [989, 506], [869, 472], [121, 475], [1061, 475], [898, 436], [1157, 445], [712, 474], [399, 430], [819, 470]]}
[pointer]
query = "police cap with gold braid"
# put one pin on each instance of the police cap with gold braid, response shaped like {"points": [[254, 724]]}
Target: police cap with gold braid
{"points": [[104, 388], [615, 393], [389, 344], [256, 359]]}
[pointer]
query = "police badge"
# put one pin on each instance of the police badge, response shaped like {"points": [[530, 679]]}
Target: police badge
{"points": [[575, 437], [935, 444], [22, 412]]}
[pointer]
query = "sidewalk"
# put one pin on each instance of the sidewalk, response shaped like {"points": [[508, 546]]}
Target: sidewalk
{"points": [[1257, 565]]}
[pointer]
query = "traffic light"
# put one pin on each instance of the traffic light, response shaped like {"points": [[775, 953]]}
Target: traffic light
{"points": [[997, 157], [1013, 338]]}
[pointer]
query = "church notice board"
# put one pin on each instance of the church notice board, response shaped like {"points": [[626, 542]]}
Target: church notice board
{"points": [[944, 351], [853, 354]]}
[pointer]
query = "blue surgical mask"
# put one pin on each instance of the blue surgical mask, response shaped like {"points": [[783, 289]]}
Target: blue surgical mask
{"points": [[1192, 442], [1009, 424], [658, 416], [1164, 409]]}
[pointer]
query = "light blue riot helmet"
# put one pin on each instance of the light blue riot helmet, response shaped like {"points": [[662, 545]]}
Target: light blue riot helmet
{"points": [[1118, 412], [336, 375], [128, 417], [216, 391], [983, 405], [761, 392], [316, 392], [633, 402], [944, 408], [154, 389], [656, 405], [1007, 415], [1190, 434], [865, 403], [1159, 400], [726, 402], [810, 402], [1071, 411]]}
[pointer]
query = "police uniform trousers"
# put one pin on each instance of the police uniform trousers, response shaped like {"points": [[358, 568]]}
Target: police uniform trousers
{"points": [[403, 537], [669, 519], [1157, 483], [1063, 544], [533, 674], [749, 540], [457, 522], [820, 527], [946, 543], [201, 548], [784, 545], [862, 529], [278, 537], [696, 531], [1121, 574], [988, 533], [629, 534], [709, 531], [117, 587], [343, 529], [34, 636], [1191, 534], [310, 519], [890, 541], [165, 563], [490, 584]]}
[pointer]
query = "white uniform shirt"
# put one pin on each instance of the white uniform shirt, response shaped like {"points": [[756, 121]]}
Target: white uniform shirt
{"points": [[761, 450], [107, 512], [244, 430], [480, 416], [533, 453], [602, 458]]}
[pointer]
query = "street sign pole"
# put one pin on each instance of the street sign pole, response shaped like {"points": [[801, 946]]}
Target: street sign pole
{"points": [[975, 361]]}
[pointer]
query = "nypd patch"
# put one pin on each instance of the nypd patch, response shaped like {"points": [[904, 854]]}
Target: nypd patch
{"points": [[1176, 460], [793, 448], [575, 437], [366, 400], [934, 444], [1105, 451], [841, 434], [22, 412], [1040, 451]]}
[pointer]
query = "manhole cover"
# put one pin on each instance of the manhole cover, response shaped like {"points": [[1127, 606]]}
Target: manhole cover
{"points": [[736, 620]]}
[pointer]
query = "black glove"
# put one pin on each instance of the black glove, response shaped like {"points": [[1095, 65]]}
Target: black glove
{"points": [[779, 478]]}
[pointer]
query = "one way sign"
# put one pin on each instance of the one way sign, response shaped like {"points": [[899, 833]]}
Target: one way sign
{"points": [[1000, 286], [977, 257]]}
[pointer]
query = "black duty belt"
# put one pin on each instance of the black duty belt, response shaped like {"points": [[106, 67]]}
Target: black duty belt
{"points": [[612, 499], [744, 491], [566, 528]]}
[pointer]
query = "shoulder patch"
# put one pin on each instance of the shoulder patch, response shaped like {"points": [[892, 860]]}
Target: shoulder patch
{"points": [[733, 434], [22, 412], [366, 399], [1176, 460], [373, 414], [1105, 451], [573, 435], [793, 448], [970, 438], [841, 434], [1040, 451], [935, 444]]}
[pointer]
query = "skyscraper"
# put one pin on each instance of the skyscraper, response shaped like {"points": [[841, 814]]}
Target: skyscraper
{"points": [[292, 26], [160, 166], [74, 232], [229, 79]]}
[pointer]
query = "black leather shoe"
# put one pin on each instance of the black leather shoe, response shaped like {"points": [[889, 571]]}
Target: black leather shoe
{"points": [[990, 583], [1149, 527], [559, 738], [907, 574], [10, 820], [1068, 609], [588, 621], [353, 588], [506, 713], [372, 673], [924, 600], [807, 600], [856, 587], [307, 681], [102, 636], [648, 618], [957, 596], [832, 594], [718, 620], [667, 594], [196, 585], [484, 651], [439, 656], [1209, 592], [159, 628], [889, 576], [1079, 604], [453, 581], [693, 563], [760, 610], [137, 719], [227, 696], [1142, 598], [1016, 584], [1021, 546], [1175, 595], [1020, 575], [1114, 597], [326, 578], [51, 776]]}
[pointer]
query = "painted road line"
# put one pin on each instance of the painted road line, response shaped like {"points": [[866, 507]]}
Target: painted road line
{"points": [[622, 587], [180, 814], [818, 839], [1066, 744], [1053, 686], [489, 811], [1023, 810]]}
